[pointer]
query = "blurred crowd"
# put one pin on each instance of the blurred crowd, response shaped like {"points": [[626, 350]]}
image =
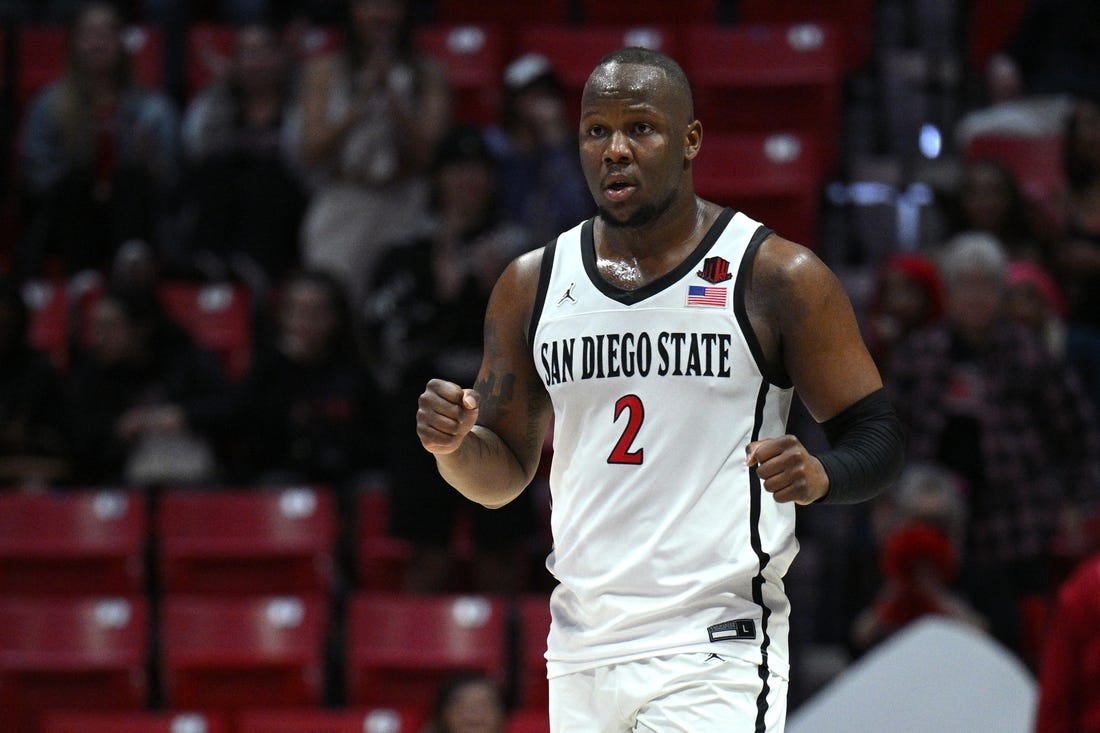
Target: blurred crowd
{"points": [[367, 222]]}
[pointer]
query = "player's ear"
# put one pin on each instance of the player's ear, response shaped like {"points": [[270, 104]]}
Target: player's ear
{"points": [[693, 139]]}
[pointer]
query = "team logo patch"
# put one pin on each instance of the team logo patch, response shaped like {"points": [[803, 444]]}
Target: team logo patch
{"points": [[715, 270], [707, 296]]}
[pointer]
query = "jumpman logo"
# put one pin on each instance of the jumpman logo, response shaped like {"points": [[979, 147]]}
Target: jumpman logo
{"points": [[568, 294]]}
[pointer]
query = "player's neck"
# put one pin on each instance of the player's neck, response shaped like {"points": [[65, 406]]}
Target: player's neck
{"points": [[633, 256], [682, 224]]}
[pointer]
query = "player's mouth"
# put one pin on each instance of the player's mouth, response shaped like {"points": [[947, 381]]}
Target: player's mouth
{"points": [[617, 188]]}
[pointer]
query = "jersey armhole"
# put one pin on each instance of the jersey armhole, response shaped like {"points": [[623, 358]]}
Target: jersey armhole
{"points": [[776, 377], [540, 294]]}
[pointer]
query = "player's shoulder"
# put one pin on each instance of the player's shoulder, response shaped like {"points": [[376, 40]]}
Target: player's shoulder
{"points": [[788, 270], [784, 261], [525, 268]]}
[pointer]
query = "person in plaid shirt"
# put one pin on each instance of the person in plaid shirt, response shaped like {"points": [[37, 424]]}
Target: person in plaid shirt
{"points": [[983, 397]]}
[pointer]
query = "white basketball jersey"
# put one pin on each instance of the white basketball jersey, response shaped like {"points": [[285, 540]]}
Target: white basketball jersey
{"points": [[664, 540]]}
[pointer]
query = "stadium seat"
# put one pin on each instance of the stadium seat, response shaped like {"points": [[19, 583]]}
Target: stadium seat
{"points": [[773, 178], [218, 316], [70, 654], [77, 542], [140, 722], [358, 720], [528, 721], [533, 612], [247, 540], [574, 51], [507, 12], [473, 56], [232, 653], [402, 646], [649, 11], [853, 18], [764, 77], [380, 558], [40, 58]]}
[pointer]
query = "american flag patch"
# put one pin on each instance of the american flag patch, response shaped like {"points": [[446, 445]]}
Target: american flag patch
{"points": [[706, 295]]}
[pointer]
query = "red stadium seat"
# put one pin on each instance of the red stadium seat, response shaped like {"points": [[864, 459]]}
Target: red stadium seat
{"points": [[40, 58], [473, 56], [358, 720], [534, 625], [528, 721], [231, 653], [508, 12], [767, 77], [247, 541], [141, 722], [573, 52], [402, 646], [649, 11], [218, 316], [854, 19], [86, 542], [380, 558], [773, 178], [70, 654]]}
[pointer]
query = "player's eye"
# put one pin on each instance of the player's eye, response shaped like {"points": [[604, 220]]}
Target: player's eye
{"points": [[597, 131]]}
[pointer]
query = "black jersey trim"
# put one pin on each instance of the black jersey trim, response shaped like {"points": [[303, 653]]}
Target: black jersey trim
{"points": [[740, 310], [631, 297], [540, 293], [762, 558]]}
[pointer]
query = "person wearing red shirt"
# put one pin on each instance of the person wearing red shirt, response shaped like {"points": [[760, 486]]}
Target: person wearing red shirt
{"points": [[1069, 678]]}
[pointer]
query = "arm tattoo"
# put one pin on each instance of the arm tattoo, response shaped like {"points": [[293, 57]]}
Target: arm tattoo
{"points": [[497, 391]]}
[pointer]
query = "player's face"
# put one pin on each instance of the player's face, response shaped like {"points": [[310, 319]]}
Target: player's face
{"points": [[635, 142]]}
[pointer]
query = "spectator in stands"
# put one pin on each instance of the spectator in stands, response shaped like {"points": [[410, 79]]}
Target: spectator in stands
{"points": [[1030, 83], [467, 702], [1036, 302], [425, 314], [908, 296], [33, 443], [145, 398], [983, 397], [99, 154], [921, 526], [541, 183], [1079, 252], [990, 200], [1053, 51], [1069, 679], [307, 410], [371, 117], [243, 200]]}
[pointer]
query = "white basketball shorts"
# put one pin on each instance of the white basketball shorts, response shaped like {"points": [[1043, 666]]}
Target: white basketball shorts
{"points": [[681, 693]]}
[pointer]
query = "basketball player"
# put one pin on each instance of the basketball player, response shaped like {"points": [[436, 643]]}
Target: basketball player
{"points": [[665, 337]]}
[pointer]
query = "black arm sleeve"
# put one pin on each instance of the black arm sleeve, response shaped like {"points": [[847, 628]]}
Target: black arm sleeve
{"points": [[866, 452]]}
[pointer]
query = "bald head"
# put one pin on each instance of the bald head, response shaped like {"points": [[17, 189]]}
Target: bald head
{"points": [[652, 71]]}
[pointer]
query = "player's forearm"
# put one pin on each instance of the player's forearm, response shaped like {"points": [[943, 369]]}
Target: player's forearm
{"points": [[484, 469]]}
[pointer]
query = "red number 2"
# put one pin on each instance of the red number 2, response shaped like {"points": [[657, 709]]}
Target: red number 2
{"points": [[622, 453]]}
